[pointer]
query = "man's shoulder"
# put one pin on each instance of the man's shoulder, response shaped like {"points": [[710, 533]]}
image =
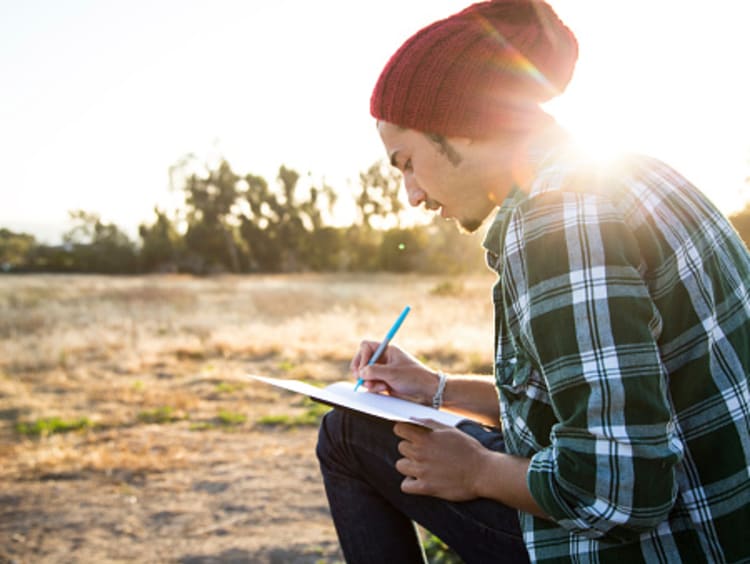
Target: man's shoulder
{"points": [[572, 170]]}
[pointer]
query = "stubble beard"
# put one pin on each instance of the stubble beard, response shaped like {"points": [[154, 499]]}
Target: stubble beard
{"points": [[469, 226]]}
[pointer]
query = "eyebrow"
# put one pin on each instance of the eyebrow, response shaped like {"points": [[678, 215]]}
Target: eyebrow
{"points": [[445, 148]]}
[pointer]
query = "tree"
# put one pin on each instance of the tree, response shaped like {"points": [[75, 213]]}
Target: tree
{"points": [[210, 199], [402, 250], [289, 222], [379, 200], [450, 250], [284, 228], [244, 224], [14, 249], [97, 246], [161, 244], [53, 258]]}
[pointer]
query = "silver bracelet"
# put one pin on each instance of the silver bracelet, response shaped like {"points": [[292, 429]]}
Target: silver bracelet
{"points": [[437, 399]]}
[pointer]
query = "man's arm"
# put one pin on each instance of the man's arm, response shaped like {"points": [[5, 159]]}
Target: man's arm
{"points": [[400, 374], [579, 309], [445, 462], [473, 396]]}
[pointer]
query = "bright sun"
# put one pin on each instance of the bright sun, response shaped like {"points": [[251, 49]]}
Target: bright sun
{"points": [[596, 131]]}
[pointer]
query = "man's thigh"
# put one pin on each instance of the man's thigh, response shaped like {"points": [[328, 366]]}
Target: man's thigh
{"points": [[477, 529]]}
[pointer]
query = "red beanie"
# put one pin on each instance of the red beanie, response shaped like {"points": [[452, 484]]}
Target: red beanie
{"points": [[485, 68]]}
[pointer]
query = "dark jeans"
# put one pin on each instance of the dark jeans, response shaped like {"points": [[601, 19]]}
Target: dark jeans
{"points": [[375, 521]]}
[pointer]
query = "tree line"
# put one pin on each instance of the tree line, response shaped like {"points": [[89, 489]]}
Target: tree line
{"points": [[239, 223], [242, 224]]}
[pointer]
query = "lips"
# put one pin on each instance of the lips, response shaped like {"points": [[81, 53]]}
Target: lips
{"points": [[432, 205]]}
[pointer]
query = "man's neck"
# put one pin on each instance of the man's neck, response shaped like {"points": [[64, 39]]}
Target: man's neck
{"points": [[533, 150]]}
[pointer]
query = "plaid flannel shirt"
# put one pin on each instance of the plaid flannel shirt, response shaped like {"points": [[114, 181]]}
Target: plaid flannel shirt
{"points": [[622, 357]]}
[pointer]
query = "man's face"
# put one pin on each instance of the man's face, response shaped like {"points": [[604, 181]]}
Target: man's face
{"points": [[432, 178]]}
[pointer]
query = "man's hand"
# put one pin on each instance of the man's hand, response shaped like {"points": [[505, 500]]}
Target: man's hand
{"points": [[396, 372], [440, 461], [444, 462]]}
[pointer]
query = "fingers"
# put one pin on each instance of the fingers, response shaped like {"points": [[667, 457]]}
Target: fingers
{"points": [[365, 352], [407, 450], [375, 386], [406, 467], [395, 373], [412, 483], [409, 431], [414, 486], [376, 377], [357, 361], [437, 460]]}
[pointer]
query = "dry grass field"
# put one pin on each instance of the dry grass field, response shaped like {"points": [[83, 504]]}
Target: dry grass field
{"points": [[128, 432]]}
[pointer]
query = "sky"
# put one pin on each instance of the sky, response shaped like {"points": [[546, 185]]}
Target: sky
{"points": [[99, 98]]}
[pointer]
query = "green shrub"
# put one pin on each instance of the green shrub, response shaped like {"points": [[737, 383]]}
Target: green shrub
{"points": [[226, 388], [164, 414], [310, 417], [231, 418], [438, 552], [49, 425]]}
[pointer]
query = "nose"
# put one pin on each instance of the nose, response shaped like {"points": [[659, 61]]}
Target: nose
{"points": [[415, 193]]}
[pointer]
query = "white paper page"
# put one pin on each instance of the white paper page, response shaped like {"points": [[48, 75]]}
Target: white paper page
{"points": [[386, 407]]}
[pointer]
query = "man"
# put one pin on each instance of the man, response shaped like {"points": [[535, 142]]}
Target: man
{"points": [[622, 331]]}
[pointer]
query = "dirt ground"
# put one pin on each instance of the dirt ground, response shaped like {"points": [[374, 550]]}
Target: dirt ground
{"points": [[167, 492], [178, 456], [240, 497]]}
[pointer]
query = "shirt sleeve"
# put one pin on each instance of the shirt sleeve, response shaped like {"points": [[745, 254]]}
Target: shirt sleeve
{"points": [[577, 304]]}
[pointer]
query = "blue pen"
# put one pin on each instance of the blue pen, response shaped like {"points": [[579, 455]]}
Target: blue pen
{"points": [[384, 343]]}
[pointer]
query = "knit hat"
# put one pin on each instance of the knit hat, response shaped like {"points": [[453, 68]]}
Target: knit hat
{"points": [[485, 68]]}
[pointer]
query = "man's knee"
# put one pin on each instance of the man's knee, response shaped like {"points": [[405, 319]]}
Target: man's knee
{"points": [[330, 434], [344, 434]]}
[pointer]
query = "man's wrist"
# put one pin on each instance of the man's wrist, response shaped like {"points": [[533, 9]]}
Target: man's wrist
{"points": [[437, 399], [488, 467]]}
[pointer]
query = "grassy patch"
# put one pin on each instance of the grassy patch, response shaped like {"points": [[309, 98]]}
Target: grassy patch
{"points": [[228, 418], [447, 288], [438, 552], [224, 419], [202, 426], [49, 425], [164, 414], [226, 388], [310, 417], [285, 365]]}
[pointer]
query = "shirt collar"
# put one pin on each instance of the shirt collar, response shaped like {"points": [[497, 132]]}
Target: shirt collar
{"points": [[493, 240], [541, 154]]}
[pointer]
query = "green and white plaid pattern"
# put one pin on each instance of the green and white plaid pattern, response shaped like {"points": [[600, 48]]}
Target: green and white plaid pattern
{"points": [[622, 361]]}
